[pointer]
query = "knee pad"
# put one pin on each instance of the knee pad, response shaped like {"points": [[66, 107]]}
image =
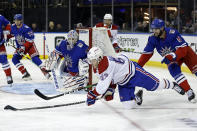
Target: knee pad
{"points": [[36, 60], [3, 59], [174, 69]]}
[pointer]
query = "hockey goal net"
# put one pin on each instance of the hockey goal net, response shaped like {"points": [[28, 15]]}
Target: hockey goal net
{"points": [[96, 37]]}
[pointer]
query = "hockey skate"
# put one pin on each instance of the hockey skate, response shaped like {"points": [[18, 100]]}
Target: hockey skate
{"points": [[178, 89], [9, 80], [138, 97], [46, 73], [26, 76], [191, 96]]}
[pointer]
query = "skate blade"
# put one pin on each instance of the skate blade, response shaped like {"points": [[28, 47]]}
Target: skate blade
{"points": [[27, 79], [193, 101]]}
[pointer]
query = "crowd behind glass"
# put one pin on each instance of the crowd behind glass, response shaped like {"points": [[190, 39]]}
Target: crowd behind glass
{"points": [[129, 15]]}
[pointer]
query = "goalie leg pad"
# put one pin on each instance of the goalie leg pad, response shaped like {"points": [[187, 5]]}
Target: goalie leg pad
{"points": [[68, 83]]}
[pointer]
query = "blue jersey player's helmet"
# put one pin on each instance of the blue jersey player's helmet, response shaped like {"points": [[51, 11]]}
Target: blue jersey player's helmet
{"points": [[18, 17], [157, 24]]}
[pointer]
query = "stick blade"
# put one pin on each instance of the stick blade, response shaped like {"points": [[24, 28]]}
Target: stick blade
{"points": [[38, 93], [8, 107]]}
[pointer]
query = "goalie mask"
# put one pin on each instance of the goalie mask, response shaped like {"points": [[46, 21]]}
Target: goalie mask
{"points": [[95, 53], [72, 39]]}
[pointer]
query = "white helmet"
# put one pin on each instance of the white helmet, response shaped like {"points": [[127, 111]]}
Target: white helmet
{"points": [[72, 38], [94, 53], [108, 17]]}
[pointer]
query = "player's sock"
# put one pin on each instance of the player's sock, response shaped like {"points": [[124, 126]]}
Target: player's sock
{"points": [[21, 68], [196, 73], [165, 84], [185, 85], [7, 69]]}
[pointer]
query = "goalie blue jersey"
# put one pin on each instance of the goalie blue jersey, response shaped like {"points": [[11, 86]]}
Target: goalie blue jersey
{"points": [[172, 41], [79, 51]]}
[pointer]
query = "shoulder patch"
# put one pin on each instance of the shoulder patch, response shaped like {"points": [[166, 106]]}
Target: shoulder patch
{"points": [[26, 26], [30, 33], [80, 45], [171, 31]]}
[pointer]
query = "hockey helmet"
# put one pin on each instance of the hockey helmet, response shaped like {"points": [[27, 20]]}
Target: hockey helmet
{"points": [[94, 53], [157, 23], [107, 17], [18, 17], [72, 37]]}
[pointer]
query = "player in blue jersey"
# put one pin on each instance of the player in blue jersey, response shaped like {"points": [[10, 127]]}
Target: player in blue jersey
{"points": [[174, 50], [74, 52], [24, 38], [4, 30]]}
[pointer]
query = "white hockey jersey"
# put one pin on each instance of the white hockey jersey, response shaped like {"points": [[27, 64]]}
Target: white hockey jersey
{"points": [[112, 32], [115, 70]]}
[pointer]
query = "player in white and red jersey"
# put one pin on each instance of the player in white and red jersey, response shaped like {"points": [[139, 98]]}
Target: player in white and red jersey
{"points": [[127, 75], [111, 29]]}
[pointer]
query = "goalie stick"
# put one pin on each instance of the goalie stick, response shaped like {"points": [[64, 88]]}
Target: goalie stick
{"points": [[41, 95]]}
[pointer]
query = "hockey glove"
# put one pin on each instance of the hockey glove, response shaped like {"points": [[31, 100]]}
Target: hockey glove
{"points": [[21, 50], [109, 94], [91, 97], [116, 48], [169, 58]]}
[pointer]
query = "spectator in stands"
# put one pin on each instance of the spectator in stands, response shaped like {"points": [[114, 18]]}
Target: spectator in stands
{"points": [[145, 26], [35, 27], [139, 27], [59, 28], [51, 26]]}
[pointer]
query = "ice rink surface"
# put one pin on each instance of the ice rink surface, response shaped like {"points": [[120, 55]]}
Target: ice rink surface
{"points": [[160, 111]]}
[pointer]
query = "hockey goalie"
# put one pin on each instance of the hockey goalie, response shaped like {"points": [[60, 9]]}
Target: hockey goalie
{"points": [[73, 69]]}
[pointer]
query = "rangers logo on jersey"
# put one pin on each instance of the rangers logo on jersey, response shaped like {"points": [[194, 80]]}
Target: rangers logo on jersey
{"points": [[68, 60], [165, 51], [20, 39]]}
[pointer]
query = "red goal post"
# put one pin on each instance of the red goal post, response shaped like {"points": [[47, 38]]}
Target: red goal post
{"points": [[96, 37]]}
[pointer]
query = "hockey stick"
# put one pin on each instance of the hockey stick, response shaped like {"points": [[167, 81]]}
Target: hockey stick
{"points": [[9, 107], [41, 95], [8, 43]]}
